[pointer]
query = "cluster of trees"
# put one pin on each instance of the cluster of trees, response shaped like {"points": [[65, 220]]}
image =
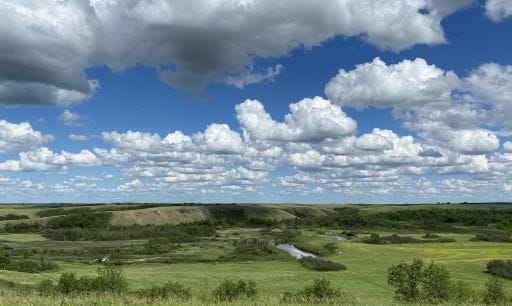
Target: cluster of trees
{"points": [[500, 267], [396, 239], [26, 265], [13, 217], [320, 264], [432, 284], [492, 237]]}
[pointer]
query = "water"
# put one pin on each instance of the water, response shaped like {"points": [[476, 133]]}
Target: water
{"points": [[292, 250], [340, 238]]}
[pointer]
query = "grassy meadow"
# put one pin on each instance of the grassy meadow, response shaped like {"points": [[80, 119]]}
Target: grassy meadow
{"points": [[204, 262]]}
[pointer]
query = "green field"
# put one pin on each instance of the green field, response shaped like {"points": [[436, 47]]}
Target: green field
{"points": [[204, 263]]}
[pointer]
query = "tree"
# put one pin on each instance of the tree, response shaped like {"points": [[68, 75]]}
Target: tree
{"points": [[494, 292], [435, 284], [406, 279]]}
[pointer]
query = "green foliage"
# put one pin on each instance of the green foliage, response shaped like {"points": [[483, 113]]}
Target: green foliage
{"points": [[46, 287], [13, 217], [109, 279], [23, 227], [320, 264], [396, 239], [406, 279], [173, 233], [81, 220], [501, 268], [436, 284], [320, 291], [5, 260], [492, 237], [165, 291], [462, 293], [494, 292], [230, 290], [30, 266]]}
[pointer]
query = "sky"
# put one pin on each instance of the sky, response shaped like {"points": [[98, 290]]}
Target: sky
{"points": [[255, 101]]}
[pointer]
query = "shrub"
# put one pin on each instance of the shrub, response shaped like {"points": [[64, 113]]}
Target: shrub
{"points": [[5, 260], [22, 227], [13, 217], [435, 284], [501, 268], [492, 237], [109, 279], [396, 239], [46, 287], [462, 293], [319, 264], [406, 279], [430, 236], [229, 290], [168, 290], [494, 292], [31, 266], [320, 291]]}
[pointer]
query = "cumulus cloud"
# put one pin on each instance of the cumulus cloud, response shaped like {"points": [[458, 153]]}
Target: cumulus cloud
{"points": [[70, 118], [189, 43], [405, 84], [20, 136], [309, 120], [76, 137], [497, 10], [45, 159], [507, 146]]}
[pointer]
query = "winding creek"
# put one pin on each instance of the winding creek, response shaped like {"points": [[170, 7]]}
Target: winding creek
{"points": [[292, 250]]}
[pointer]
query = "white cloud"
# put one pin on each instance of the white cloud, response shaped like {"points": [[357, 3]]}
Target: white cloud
{"points": [[507, 146], [202, 40], [75, 137], [20, 136], [70, 118], [406, 84], [250, 77], [473, 141], [377, 140], [309, 120], [497, 10], [45, 159]]}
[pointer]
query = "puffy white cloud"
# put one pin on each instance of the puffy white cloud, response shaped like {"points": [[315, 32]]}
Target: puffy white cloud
{"points": [[20, 136], [497, 10], [309, 120], [507, 146], [405, 84], [374, 141], [473, 141], [54, 42], [70, 118], [45, 159], [219, 138], [76, 137]]}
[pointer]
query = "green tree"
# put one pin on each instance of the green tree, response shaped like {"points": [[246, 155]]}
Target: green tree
{"points": [[406, 278], [494, 292], [435, 284]]}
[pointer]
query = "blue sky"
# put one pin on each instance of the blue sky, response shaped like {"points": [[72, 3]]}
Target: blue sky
{"points": [[127, 103]]}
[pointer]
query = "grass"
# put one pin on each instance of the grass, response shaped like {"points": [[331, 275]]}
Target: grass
{"points": [[365, 275], [22, 237]]}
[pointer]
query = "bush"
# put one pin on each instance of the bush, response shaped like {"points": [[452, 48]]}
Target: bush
{"points": [[430, 236], [168, 290], [109, 279], [13, 217], [31, 266], [501, 268], [435, 284], [5, 260], [229, 290], [396, 239], [319, 264], [320, 291], [406, 279], [492, 237], [494, 292], [23, 227], [462, 293], [46, 287]]}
